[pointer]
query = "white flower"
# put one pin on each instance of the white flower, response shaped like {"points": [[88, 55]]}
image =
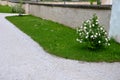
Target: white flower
{"points": [[101, 28], [99, 41], [77, 39], [97, 20], [80, 41], [80, 34], [108, 44], [105, 33], [95, 36], [96, 23], [79, 29], [93, 25], [85, 27], [86, 37], [96, 33], [106, 39], [91, 36], [87, 33], [99, 34], [81, 26], [90, 26]]}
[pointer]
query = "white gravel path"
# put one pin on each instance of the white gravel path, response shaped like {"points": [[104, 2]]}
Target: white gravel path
{"points": [[23, 59]]}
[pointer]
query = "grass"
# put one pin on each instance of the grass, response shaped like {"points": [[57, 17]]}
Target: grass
{"points": [[60, 40], [5, 9]]}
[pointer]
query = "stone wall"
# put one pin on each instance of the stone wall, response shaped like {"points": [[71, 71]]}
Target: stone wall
{"points": [[106, 2], [71, 15]]}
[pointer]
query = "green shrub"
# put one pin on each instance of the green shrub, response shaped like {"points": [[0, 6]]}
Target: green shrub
{"points": [[98, 2], [18, 9], [91, 1], [92, 34]]}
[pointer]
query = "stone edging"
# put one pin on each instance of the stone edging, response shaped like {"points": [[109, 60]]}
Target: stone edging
{"points": [[85, 6], [103, 7]]}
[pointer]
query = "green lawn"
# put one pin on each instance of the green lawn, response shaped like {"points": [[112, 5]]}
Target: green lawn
{"points": [[61, 41], [5, 9]]}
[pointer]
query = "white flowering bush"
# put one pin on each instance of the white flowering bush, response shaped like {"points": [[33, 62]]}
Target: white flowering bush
{"points": [[92, 34], [18, 8]]}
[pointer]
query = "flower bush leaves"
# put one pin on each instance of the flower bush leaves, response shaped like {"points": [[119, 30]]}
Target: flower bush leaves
{"points": [[93, 34]]}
